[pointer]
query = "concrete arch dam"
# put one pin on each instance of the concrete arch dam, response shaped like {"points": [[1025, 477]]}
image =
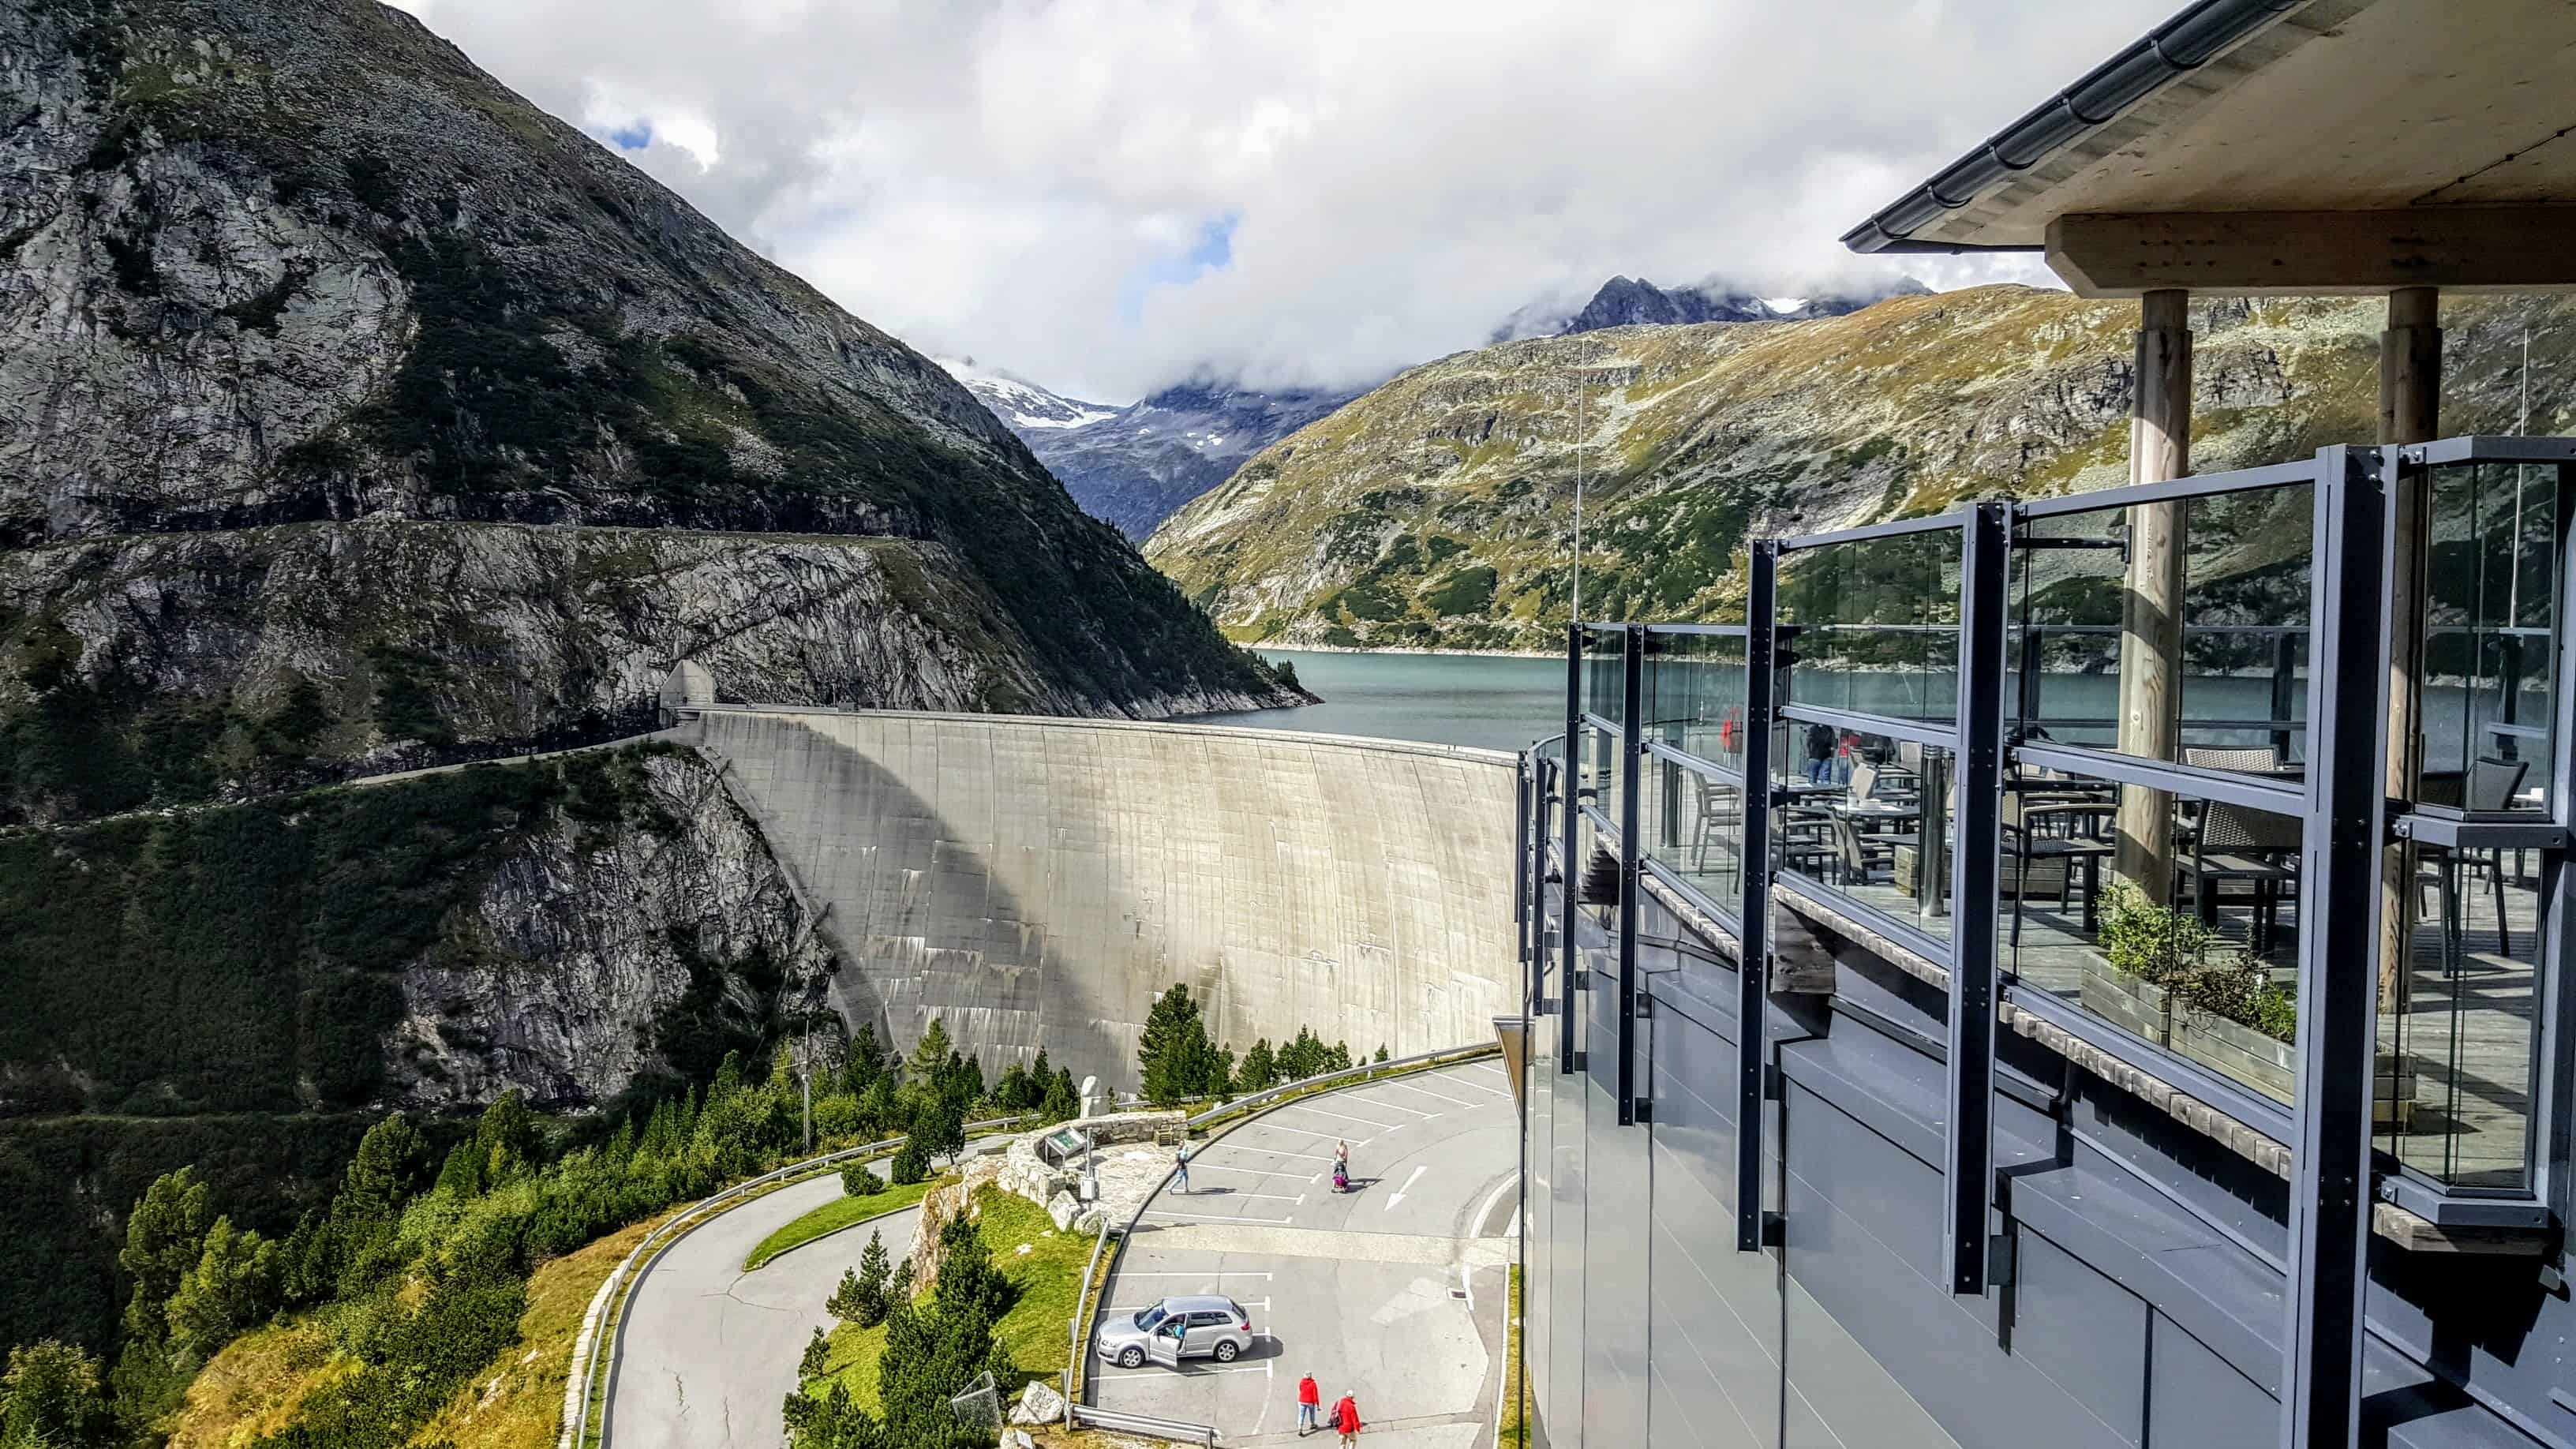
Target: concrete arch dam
{"points": [[1040, 881]]}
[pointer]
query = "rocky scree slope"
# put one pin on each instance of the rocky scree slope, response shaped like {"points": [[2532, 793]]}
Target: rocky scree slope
{"points": [[1437, 510], [355, 413]]}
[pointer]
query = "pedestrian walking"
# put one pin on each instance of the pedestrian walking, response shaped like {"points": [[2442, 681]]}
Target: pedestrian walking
{"points": [[1182, 1163], [1346, 1418], [1341, 1153], [1309, 1401]]}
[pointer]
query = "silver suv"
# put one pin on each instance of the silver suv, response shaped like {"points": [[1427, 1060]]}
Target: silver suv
{"points": [[1175, 1329]]}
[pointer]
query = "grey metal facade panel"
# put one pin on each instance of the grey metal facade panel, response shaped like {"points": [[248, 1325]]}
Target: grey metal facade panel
{"points": [[1614, 1246], [1715, 1331], [2084, 1331], [2194, 1398], [1887, 1296]]}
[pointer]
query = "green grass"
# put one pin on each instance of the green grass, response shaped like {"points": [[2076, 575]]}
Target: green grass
{"points": [[1514, 1428], [1048, 1278], [833, 1216]]}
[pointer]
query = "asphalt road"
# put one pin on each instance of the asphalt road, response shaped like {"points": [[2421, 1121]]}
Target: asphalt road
{"points": [[1393, 1293], [709, 1352]]}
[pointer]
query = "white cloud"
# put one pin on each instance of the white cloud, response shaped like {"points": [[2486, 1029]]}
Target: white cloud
{"points": [[1033, 182]]}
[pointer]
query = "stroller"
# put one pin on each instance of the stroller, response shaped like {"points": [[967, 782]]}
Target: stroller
{"points": [[1341, 1177]]}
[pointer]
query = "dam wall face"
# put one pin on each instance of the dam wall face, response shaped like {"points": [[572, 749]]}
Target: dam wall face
{"points": [[1040, 882]]}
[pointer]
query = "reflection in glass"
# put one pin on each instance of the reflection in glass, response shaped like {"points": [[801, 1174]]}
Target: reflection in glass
{"points": [[1872, 818], [1695, 695], [2454, 1082], [2197, 953], [1873, 626], [1605, 673], [1694, 826], [2219, 671], [2488, 660]]}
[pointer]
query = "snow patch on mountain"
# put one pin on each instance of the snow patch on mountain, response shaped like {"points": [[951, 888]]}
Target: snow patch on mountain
{"points": [[1023, 405]]}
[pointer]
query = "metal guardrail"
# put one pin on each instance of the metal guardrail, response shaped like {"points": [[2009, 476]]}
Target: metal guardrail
{"points": [[1074, 1327], [605, 1319], [1089, 1417], [1365, 1069]]}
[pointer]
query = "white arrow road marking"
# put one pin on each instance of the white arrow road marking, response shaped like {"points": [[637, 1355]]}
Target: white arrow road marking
{"points": [[1419, 1168]]}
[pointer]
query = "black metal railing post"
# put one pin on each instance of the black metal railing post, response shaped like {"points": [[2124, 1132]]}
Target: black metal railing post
{"points": [[2285, 670], [1570, 869], [2339, 942], [1541, 785], [1753, 920], [1632, 759], [1967, 1203]]}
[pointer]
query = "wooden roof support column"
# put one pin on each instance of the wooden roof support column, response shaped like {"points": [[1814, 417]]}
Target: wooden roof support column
{"points": [[2152, 603], [2410, 411]]}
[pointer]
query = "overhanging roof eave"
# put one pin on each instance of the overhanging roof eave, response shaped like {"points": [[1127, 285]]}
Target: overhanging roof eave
{"points": [[2203, 30]]}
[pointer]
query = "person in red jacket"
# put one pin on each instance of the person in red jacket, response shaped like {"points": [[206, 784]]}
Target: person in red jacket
{"points": [[1308, 1398], [1346, 1417]]}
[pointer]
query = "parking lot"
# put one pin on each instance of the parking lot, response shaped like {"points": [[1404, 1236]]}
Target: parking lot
{"points": [[1392, 1292]]}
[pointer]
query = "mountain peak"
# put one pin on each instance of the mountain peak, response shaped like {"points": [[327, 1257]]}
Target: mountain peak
{"points": [[1625, 301]]}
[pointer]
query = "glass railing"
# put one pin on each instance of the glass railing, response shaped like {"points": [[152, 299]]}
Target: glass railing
{"points": [[2159, 778]]}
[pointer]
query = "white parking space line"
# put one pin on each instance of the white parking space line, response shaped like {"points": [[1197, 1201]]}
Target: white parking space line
{"points": [[1435, 1096], [1336, 1116], [1168, 1375], [1198, 1166], [1261, 1303], [1217, 1218], [1479, 1086], [1273, 1196], [1393, 1106], [1270, 1151], [1301, 1131], [1210, 1273]]}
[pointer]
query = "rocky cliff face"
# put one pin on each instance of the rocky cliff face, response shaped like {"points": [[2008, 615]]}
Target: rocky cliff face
{"points": [[1437, 510], [275, 273], [594, 953]]}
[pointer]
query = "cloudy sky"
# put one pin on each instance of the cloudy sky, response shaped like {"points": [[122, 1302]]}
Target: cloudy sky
{"points": [[1111, 195]]}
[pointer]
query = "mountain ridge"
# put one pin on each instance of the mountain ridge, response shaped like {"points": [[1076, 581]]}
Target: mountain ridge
{"points": [[1435, 511]]}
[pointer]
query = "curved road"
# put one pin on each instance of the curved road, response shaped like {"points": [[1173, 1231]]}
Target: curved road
{"points": [[709, 1352], [1393, 1293]]}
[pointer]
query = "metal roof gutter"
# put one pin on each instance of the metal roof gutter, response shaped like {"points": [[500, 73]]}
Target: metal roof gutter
{"points": [[2181, 44]]}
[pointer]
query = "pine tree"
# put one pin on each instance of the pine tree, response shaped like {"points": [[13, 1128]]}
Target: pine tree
{"points": [[1259, 1068], [1167, 1024], [232, 1288], [1063, 1102], [874, 1279], [844, 1304], [911, 1163], [866, 1060], [929, 1056], [50, 1395], [817, 1356], [1012, 1093], [1381, 1051], [165, 1235]]}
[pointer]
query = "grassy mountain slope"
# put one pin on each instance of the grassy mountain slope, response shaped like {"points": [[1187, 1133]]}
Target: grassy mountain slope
{"points": [[1437, 510]]}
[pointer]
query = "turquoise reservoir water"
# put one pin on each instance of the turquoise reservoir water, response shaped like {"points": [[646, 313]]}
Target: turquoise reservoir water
{"points": [[1442, 699]]}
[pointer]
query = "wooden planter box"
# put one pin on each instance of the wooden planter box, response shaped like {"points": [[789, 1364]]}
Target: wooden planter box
{"points": [[2137, 1007], [2270, 1066], [2237, 1051]]}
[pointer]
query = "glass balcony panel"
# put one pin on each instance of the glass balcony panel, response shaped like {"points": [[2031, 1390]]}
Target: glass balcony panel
{"points": [[1874, 625], [1694, 826], [2225, 654], [2489, 651], [1605, 680], [1695, 695], [2175, 919], [1872, 817], [2457, 1031]]}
